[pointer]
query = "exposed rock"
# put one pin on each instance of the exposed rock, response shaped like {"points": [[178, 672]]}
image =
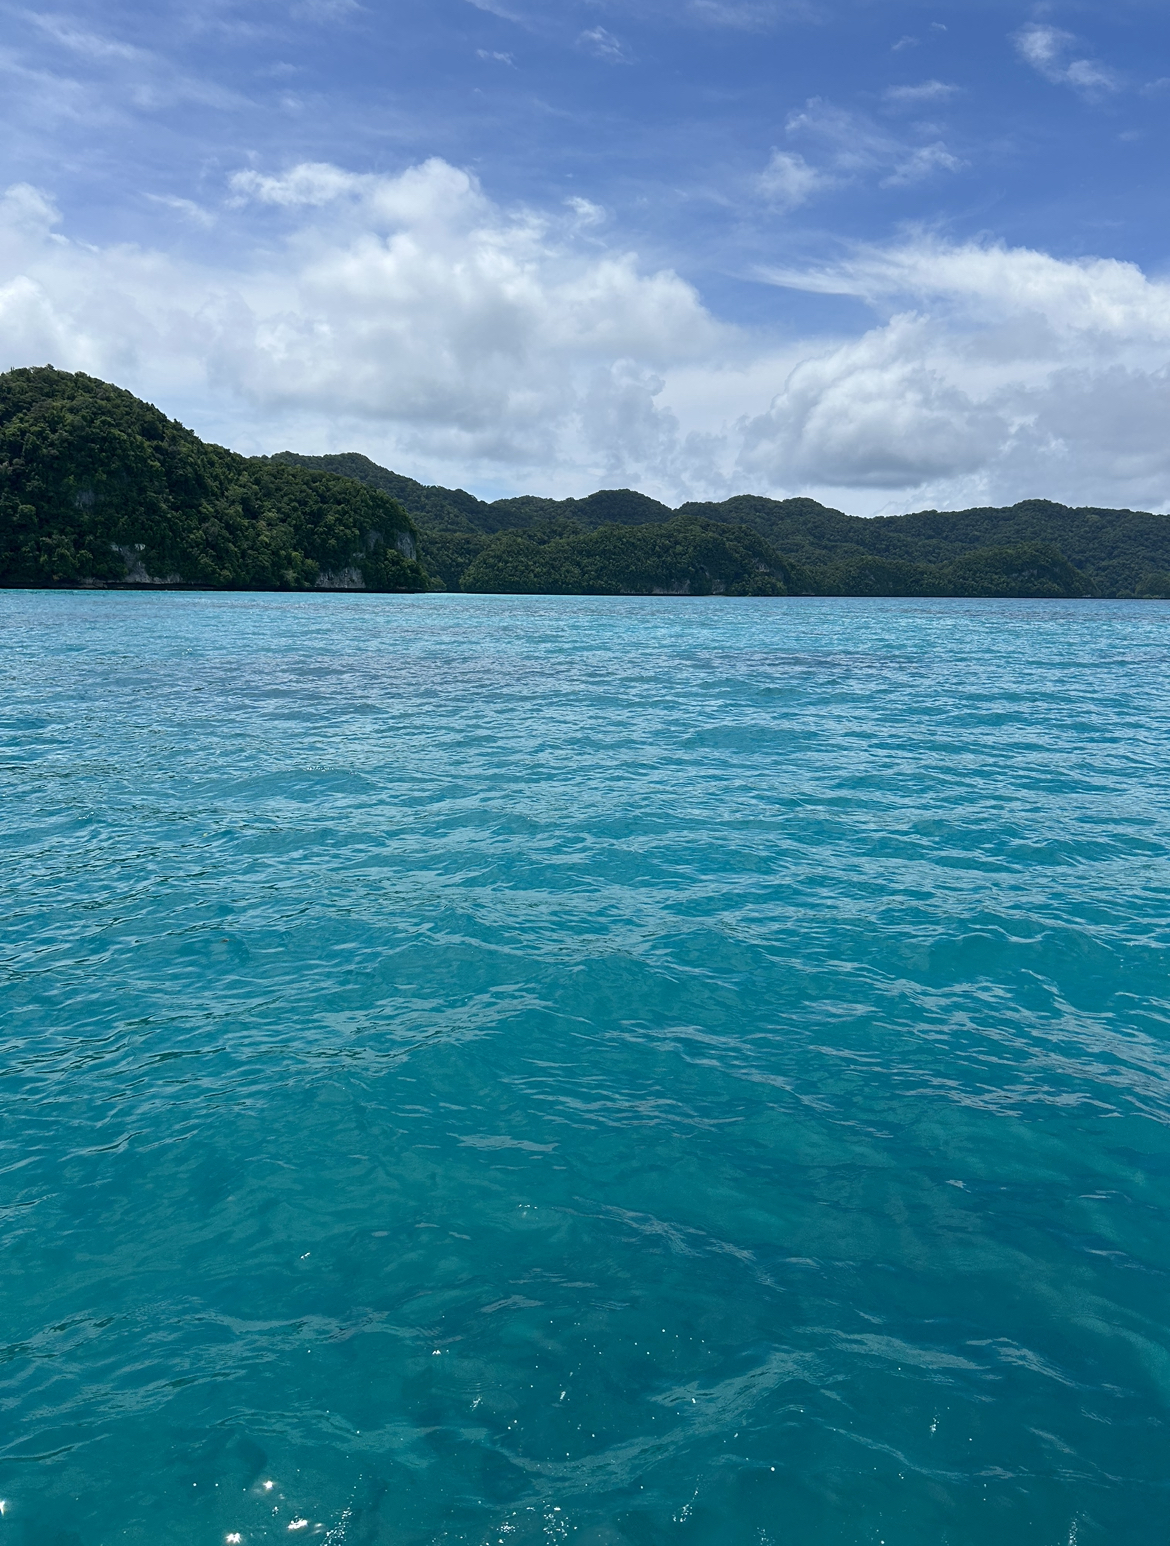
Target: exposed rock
{"points": [[135, 572], [341, 579]]}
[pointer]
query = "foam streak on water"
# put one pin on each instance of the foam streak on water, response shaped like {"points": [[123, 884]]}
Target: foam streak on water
{"points": [[614, 1071]]}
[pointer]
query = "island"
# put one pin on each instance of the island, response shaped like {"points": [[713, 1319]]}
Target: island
{"points": [[101, 489]]}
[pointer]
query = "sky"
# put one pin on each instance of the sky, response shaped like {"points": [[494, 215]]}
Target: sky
{"points": [[895, 254]]}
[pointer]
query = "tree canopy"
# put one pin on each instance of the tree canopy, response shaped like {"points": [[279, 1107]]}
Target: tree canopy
{"points": [[1104, 552], [99, 487]]}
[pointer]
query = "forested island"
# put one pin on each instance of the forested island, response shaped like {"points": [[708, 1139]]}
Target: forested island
{"points": [[98, 488]]}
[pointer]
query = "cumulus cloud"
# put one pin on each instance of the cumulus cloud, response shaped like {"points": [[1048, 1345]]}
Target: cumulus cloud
{"points": [[1050, 50], [413, 318], [1086, 297], [988, 385], [411, 310], [416, 301], [876, 412]]}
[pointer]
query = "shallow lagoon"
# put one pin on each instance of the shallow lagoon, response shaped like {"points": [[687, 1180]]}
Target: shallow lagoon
{"points": [[501, 1069]]}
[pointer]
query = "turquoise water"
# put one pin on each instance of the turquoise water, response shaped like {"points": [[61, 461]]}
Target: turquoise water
{"points": [[503, 1070]]}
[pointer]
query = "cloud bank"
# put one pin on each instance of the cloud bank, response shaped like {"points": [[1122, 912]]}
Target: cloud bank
{"points": [[411, 317]]}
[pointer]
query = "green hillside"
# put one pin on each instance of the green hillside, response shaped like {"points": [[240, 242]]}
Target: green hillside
{"points": [[681, 557], [1032, 548], [1122, 552], [455, 510], [97, 487]]}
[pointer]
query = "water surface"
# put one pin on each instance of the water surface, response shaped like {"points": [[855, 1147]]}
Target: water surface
{"points": [[505, 1070]]}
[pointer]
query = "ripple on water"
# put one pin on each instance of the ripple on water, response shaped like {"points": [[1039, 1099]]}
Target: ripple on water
{"points": [[515, 1069]]}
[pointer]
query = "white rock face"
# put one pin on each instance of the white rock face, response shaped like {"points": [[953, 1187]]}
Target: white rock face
{"points": [[135, 571], [340, 579]]}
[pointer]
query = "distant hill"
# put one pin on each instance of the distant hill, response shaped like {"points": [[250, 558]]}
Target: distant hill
{"points": [[679, 557], [99, 488], [1032, 548], [455, 510], [1122, 552]]}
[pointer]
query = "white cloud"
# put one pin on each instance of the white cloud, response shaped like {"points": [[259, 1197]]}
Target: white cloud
{"points": [[1087, 297], [851, 146], [428, 323], [603, 45], [876, 413], [916, 96], [26, 210], [586, 211], [492, 55], [1042, 47], [1016, 373], [745, 15], [494, 9], [311, 183], [1090, 76], [88, 44], [1049, 50], [788, 180], [922, 163], [185, 207], [414, 319], [737, 15], [119, 75]]}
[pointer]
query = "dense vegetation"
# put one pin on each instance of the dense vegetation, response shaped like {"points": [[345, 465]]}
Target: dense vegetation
{"points": [[97, 487], [1117, 552], [682, 557], [692, 557], [455, 510], [1032, 548]]}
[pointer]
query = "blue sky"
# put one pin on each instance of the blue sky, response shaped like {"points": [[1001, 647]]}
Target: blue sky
{"points": [[894, 255]]}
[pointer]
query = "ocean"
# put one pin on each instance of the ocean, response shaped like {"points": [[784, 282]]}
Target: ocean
{"points": [[501, 1070]]}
